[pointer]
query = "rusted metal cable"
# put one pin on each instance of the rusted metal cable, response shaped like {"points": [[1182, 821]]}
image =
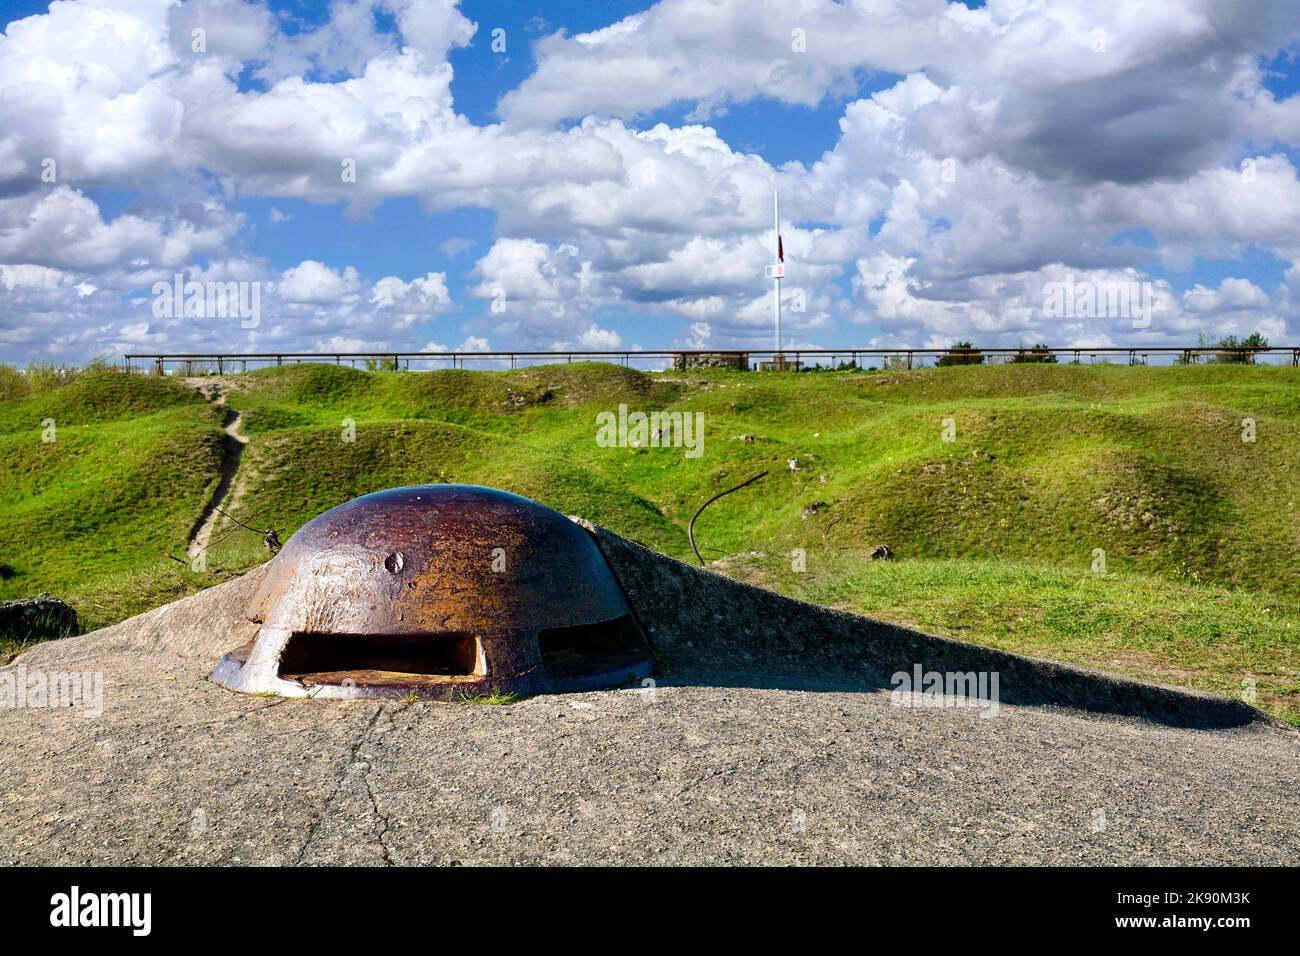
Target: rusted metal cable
{"points": [[690, 528], [237, 521], [270, 537]]}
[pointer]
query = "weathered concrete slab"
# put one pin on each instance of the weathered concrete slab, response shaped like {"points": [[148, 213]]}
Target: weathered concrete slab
{"points": [[770, 740]]}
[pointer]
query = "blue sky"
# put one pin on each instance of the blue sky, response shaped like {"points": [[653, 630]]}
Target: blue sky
{"points": [[940, 167], [398, 238]]}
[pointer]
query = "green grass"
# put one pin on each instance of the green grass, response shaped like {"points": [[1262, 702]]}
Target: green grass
{"points": [[130, 465], [1175, 632], [494, 698], [1049, 464]]}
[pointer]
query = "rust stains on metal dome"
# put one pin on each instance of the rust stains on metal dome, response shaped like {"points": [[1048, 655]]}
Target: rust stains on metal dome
{"points": [[443, 591]]}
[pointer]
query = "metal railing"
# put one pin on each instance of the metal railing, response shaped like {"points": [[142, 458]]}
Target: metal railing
{"points": [[223, 362]]}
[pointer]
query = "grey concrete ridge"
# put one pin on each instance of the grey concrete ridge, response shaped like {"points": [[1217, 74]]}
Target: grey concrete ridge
{"points": [[771, 736]]}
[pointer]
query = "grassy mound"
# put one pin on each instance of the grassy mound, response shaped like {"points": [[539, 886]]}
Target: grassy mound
{"points": [[296, 474], [1004, 472], [130, 465]]}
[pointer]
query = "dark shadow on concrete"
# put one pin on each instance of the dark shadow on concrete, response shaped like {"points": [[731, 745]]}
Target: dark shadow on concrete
{"points": [[708, 629]]}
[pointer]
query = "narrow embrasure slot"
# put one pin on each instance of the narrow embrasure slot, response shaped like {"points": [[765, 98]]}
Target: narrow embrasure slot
{"points": [[383, 658], [589, 649]]}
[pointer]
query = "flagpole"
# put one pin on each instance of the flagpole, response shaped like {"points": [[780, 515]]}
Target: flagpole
{"points": [[776, 258]]}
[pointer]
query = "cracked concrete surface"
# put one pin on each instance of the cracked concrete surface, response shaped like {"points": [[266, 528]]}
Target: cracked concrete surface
{"points": [[771, 739]]}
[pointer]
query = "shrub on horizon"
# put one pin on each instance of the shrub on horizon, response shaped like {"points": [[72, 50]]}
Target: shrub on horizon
{"points": [[961, 353]]}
